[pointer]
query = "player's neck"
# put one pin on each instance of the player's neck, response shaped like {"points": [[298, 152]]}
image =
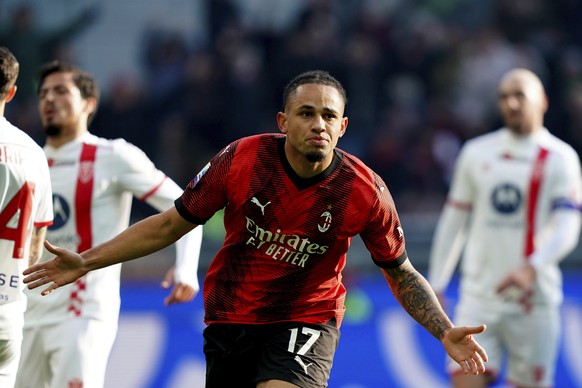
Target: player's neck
{"points": [[305, 168], [66, 137]]}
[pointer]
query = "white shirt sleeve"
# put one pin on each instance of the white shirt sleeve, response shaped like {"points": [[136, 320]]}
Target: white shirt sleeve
{"points": [[44, 211], [448, 242], [188, 247], [561, 237], [451, 231], [159, 191], [187, 257]]}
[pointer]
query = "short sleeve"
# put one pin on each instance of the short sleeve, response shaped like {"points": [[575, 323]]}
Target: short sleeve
{"points": [[207, 191], [43, 193], [383, 235], [136, 172]]}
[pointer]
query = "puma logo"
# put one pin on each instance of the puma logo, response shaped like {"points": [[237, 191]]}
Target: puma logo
{"points": [[300, 362], [256, 202]]}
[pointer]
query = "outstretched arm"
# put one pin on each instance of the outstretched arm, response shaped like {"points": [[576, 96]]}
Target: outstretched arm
{"points": [[141, 239], [417, 297]]}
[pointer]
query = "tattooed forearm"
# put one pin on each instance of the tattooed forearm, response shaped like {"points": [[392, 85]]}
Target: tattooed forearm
{"points": [[38, 235], [417, 298]]}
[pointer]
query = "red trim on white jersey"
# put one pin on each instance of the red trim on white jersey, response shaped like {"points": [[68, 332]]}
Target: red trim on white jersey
{"points": [[152, 191], [83, 198], [534, 190], [41, 224], [459, 205]]}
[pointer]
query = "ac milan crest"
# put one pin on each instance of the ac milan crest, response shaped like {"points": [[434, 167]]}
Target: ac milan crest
{"points": [[325, 222]]}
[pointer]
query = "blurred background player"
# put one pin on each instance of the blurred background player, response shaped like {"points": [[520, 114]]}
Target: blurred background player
{"points": [[273, 294], [68, 336], [25, 213], [515, 198]]}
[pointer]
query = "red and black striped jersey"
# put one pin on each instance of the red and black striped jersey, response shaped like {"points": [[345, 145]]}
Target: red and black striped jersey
{"points": [[287, 237]]}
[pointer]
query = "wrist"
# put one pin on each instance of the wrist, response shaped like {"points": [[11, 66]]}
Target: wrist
{"points": [[532, 269], [88, 262], [445, 330]]}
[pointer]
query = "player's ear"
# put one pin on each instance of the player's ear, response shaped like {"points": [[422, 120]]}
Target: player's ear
{"points": [[11, 93], [91, 105], [282, 122], [344, 126], [545, 103]]}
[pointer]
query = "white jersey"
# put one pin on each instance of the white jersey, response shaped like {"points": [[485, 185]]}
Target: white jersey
{"points": [[511, 185], [94, 181], [25, 202]]}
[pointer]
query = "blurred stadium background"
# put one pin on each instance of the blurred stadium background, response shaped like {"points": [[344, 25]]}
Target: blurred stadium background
{"points": [[182, 78]]}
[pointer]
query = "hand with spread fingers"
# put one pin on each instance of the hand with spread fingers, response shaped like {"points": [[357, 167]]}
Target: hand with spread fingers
{"points": [[462, 347], [65, 268]]}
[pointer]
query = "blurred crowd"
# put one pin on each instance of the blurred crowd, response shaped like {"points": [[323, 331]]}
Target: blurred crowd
{"points": [[420, 76]]}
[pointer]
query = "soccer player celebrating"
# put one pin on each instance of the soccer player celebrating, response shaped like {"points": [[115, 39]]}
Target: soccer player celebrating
{"points": [[521, 189], [273, 295], [68, 336], [25, 213]]}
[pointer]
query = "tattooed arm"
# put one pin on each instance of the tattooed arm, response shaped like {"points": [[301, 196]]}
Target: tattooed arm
{"points": [[36, 245], [416, 296]]}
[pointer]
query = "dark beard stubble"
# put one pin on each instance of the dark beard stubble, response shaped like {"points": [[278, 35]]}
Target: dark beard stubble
{"points": [[315, 156], [52, 130]]}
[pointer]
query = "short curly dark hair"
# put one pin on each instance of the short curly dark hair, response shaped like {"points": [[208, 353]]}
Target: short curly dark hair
{"points": [[9, 68], [319, 77]]}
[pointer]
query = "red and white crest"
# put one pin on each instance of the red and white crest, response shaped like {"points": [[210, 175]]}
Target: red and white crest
{"points": [[86, 171]]}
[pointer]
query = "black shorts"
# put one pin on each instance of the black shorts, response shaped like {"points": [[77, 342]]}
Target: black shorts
{"points": [[243, 355]]}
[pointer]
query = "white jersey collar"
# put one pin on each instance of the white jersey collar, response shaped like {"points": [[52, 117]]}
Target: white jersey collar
{"points": [[86, 137]]}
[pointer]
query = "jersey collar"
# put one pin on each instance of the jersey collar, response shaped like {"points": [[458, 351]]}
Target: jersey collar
{"points": [[302, 183]]}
